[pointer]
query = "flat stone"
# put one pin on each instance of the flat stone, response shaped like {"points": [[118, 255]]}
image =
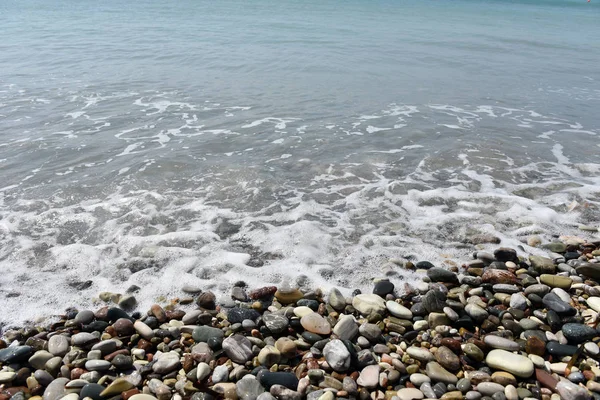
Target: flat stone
{"points": [[286, 297], [419, 379], [238, 348], [39, 359], [368, 304], [498, 342], [498, 276], [570, 391], [97, 365], [556, 281], [301, 311], [370, 331], [489, 388], [346, 328], [398, 310], [435, 319], [476, 312], [269, 355], [141, 396], [505, 288], [594, 303], [106, 346], [166, 362], [560, 350], [337, 355], [437, 373], [514, 363], [420, 353], [409, 394], [369, 377], [58, 345]]}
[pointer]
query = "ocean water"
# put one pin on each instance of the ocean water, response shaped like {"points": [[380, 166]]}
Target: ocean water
{"points": [[196, 142]]}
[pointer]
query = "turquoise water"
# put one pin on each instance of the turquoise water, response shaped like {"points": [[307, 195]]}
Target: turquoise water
{"points": [[267, 141]]}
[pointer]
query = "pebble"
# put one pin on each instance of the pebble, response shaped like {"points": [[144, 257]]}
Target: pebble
{"points": [[437, 373], [398, 310], [337, 355], [409, 394], [238, 348], [368, 304], [516, 364], [315, 323]]}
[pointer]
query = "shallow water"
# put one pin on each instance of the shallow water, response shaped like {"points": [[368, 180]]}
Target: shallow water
{"points": [[159, 144]]}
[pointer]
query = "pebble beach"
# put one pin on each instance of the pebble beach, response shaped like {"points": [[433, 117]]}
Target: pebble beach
{"points": [[498, 326]]}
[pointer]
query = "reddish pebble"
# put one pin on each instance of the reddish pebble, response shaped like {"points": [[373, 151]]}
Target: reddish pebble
{"points": [[123, 327], [110, 356], [127, 394], [262, 292], [76, 373], [175, 314], [452, 344], [158, 312]]}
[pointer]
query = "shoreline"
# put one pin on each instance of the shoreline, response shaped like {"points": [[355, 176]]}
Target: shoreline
{"points": [[497, 327]]}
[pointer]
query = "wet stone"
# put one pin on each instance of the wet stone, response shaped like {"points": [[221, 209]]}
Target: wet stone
{"points": [[560, 350], [275, 323], [203, 333], [237, 315], [383, 287], [578, 333], [554, 303], [442, 275]]}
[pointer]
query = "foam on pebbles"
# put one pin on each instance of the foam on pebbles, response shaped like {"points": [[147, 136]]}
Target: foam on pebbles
{"points": [[502, 326]]}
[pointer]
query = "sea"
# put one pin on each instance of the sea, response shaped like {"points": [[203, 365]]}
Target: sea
{"points": [[146, 145]]}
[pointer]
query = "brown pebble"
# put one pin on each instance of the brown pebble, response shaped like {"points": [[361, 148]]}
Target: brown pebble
{"points": [[144, 345], [452, 344], [2, 344], [102, 314], [175, 315], [263, 292], [127, 394], [535, 346], [495, 276], [158, 313], [589, 375], [111, 331], [188, 362], [207, 300], [112, 355], [11, 391], [545, 379], [123, 327], [354, 375]]}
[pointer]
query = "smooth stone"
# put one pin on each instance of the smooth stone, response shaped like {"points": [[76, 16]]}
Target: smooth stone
{"points": [[203, 333], [505, 288], [590, 270], [578, 333], [316, 323], [383, 288], [539, 289], [434, 301], [594, 303], [105, 346], [592, 348], [55, 389], [238, 314], [464, 385], [287, 379], [248, 388], [498, 342], [58, 345], [504, 378], [398, 310], [489, 388], [337, 355], [269, 355], [514, 363], [97, 365], [554, 303], [368, 304], [556, 281], [570, 391], [118, 386], [220, 374], [144, 330], [435, 319], [542, 265], [337, 300], [511, 393], [418, 379], [166, 362], [473, 395], [40, 358], [15, 354], [202, 371], [238, 348], [141, 396], [437, 373], [286, 297], [560, 350], [437, 274], [447, 358], [301, 311], [473, 352], [476, 312], [409, 394], [6, 377], [518, 301], [370, 331], [420, 353], [369, 376], [275, 323], [346, 328]]}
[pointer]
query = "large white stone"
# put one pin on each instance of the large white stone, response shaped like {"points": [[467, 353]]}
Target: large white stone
{"points": [[368, 304], [514, 363]]}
